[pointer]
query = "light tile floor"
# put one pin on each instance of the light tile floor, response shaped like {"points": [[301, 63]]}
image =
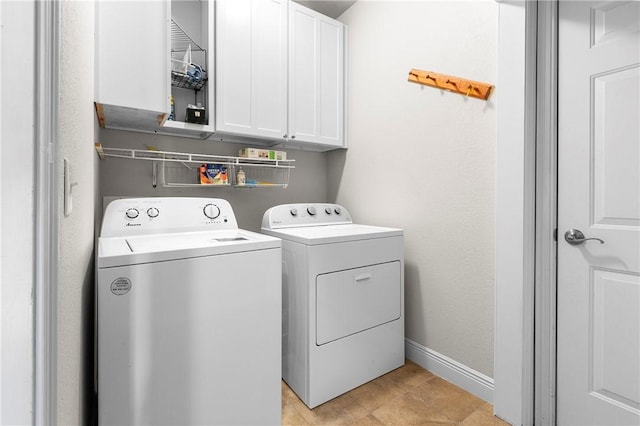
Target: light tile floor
{"points": [[409, 395]]}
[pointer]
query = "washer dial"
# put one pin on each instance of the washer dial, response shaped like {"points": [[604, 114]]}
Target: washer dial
{"points": [[153, 212], [311, 210], [211, 211], [131, 213]]}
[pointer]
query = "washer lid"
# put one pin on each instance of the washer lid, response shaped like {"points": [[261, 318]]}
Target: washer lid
{"points": [[120, 251], [329, 234]]}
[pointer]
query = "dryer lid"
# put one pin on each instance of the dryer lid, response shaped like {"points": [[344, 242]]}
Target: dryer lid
{"points": [[329, 234], [318, 223]]}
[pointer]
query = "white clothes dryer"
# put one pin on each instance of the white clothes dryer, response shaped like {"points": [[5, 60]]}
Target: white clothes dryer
{"points": [[188, 316], [343, 299]]}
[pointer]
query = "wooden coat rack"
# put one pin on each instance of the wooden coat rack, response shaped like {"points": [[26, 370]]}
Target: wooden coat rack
{"points": [[459, 85]]}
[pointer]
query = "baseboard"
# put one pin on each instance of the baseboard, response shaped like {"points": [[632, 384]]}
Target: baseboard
{"points": [[450, 370]]}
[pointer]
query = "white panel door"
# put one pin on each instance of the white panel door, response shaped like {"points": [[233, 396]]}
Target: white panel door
{"points": [[598, 380], [251, 73]]}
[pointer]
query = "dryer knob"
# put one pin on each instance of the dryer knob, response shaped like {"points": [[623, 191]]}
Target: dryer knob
{"points": [[311, 211], [294, 212], [328, 210], [153, 212], [131, 213], [337, 210], [211, 211]]}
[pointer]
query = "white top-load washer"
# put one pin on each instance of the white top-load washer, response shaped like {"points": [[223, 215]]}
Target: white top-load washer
{"points": [[188, 316], [343, 299]]}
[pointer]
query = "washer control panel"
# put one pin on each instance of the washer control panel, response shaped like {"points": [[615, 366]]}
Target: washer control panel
{"points": [[305, 214], [140, 216]]}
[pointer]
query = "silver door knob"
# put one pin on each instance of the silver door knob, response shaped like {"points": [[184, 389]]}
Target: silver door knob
{"points": [[576, 237]]}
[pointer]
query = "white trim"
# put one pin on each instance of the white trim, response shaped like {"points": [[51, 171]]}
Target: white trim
{"points": [[46, 211], [546, 214], [452, 371], [529, 216], [515, 212], [1, 257]]}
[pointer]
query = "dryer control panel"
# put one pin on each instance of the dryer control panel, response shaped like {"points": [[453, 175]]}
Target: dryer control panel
{"points": [[305, 214], [164, 215]]}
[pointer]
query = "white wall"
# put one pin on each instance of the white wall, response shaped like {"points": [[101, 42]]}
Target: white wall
{"points": [[424, 160], [133, 178], [75, 269], [17, 141]]}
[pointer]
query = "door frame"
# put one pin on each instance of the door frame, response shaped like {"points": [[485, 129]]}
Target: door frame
{"points": [[526, 212], [546, 214], [47, 207]]}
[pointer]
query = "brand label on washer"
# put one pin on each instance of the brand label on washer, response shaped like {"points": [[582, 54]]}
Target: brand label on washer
{"points": [[121, 286]]}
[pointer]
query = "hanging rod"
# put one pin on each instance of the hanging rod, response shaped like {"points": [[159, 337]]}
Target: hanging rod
{"points": [[474, 89]]}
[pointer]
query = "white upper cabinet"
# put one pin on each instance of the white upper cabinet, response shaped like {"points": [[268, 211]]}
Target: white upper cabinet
{"points": [[131, 88], [251, 74], [278, 77], [280, 74], [316, 79], [139, 47]]}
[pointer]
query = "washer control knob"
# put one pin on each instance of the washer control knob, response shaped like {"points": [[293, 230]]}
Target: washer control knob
{"points": [[311, 211], [337, 210], [153, 212], [131, 213], [328, 210], [211, 211], [294, 212]]}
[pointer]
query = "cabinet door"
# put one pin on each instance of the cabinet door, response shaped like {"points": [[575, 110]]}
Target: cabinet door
{"points": [[316, 77], [132, 59], [251, 74]]}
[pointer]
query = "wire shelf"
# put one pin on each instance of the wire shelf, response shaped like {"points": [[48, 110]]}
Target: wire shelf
{"points": [[180, 169], [185, 157], [180, 40]]}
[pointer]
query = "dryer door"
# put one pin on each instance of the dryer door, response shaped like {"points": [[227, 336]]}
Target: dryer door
{"points": [[355, 300]]}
